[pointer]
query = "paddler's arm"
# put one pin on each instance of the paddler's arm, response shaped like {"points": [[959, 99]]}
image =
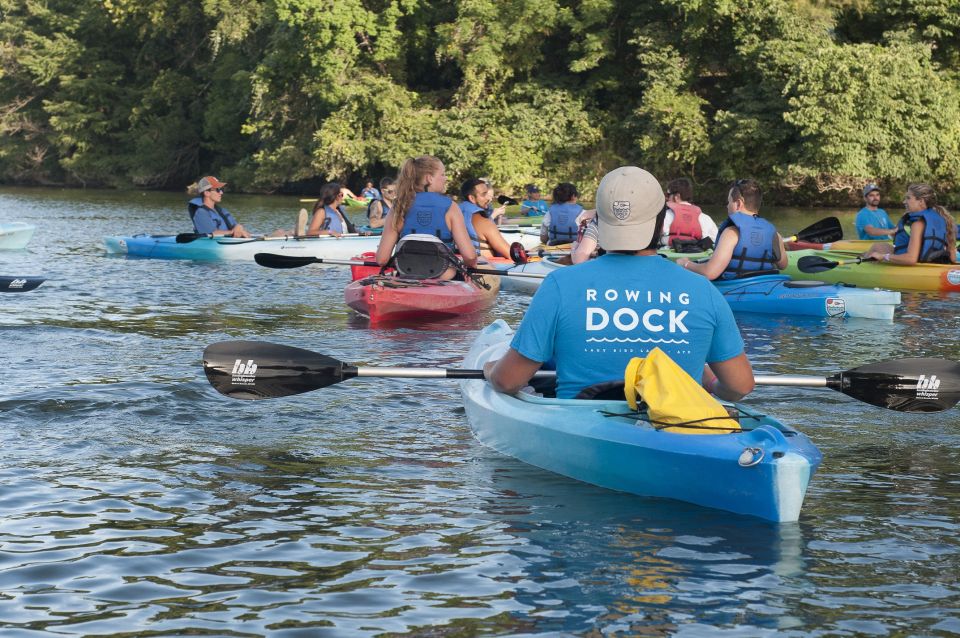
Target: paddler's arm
{"points": [[511, 372], [730, 380], [387, 242], [488, 232], [784, 259], [909, 258], [461, 238], [722, 254]]}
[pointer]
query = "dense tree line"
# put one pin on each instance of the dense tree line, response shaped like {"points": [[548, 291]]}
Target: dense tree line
{"points": [[812, 96]]}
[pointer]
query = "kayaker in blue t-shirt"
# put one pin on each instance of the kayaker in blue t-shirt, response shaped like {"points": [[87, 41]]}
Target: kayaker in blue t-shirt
{"points": [[533, 205], [421, 207], [872, 222], [926, 233], [746, 243], [592, 318], [329, 217]]}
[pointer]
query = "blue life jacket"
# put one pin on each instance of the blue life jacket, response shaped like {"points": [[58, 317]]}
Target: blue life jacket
{"points": [[563, 222], [469, 209], [384, 209], [427, 216], [333, 220], [220, 216], [934, 248], [757, 249]]}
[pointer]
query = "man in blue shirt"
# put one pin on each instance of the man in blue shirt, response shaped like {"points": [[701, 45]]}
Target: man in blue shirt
{"points": [[872, 221], [592, 318], [533, 206]]}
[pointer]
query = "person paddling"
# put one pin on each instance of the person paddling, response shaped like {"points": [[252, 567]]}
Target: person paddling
{"points": [[592, 318], [685, 222], [746, 244], [559, 225], [378, 209], [926, 233], [421, 207], [476, 197], [206, 213]]}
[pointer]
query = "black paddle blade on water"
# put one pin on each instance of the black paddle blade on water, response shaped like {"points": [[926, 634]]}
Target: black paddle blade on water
{"points": [[824, 231], [19, 284], [258, 370], [905, 385], [283, 261]]}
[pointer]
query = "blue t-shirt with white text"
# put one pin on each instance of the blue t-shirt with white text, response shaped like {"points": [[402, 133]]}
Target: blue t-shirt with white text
{"points": [[594, 317]]}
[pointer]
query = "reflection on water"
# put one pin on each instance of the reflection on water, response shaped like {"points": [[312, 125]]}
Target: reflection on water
{"points": [[138, 500]]}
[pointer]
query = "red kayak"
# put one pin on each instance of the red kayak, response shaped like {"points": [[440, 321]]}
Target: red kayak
{"points": [[385, 298]]}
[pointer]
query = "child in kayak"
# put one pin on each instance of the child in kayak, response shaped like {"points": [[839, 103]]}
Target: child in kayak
{"points": [[421, 207], [746, 243], [932, 234]]}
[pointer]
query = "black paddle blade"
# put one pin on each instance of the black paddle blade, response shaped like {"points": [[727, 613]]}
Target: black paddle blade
{"points": [[283, 261], [19, 284], [905, 385], [186, 238], [506, 201], [259, 370], [824, 231], [813, 264]]}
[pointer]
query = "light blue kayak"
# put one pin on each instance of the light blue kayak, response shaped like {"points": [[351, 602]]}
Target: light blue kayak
{"points": [[205, 248], [762, 471], [768, 294], [15, 235]]}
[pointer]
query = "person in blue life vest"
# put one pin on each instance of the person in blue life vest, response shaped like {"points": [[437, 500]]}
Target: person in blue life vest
{"points": [[476, 196], [685, 221], [206, 213], [559, 225], [369, 191], [592, 318], [533, 205], [329, 218], [872, 222], [926, 233], [378, 209], [422, 207], [209, 217], [746, 243]]}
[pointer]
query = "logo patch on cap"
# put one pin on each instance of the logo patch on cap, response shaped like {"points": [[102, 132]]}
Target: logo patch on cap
{"points": [[621, 210]]}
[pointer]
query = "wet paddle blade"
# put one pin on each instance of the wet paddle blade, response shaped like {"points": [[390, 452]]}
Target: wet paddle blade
{"points": [[905, 385], [258, 370], [824, 231], [812, 264], [186, 238], [283, 261], [19, 284]]}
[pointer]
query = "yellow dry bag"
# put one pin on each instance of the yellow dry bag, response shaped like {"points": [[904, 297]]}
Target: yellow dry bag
{"points": [[675, 401]]}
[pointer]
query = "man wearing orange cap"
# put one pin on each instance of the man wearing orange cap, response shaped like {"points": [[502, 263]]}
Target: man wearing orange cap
{"points": [[209, 218]]}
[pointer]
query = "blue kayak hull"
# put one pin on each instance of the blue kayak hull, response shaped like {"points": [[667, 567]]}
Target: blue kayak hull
{"points": [[576, 439]]}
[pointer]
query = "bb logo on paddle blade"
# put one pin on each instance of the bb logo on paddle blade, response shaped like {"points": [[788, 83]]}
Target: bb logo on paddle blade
{"points": [[244, 373], [621, 209], [17, 283], [928, 387]]}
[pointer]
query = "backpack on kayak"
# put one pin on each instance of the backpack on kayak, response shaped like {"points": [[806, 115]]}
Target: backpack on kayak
{"points": [[421, 256], [675, 402]]}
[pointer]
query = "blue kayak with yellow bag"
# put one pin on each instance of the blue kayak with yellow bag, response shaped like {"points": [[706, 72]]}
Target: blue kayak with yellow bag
{"points": [[760, 469]]}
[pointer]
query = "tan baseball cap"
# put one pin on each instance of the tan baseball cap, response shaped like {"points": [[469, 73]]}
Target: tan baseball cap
{"points": [[628, 202]]}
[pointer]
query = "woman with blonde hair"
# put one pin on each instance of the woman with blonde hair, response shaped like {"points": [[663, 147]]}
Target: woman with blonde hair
{"points": [[421, 207], [932, 234]]}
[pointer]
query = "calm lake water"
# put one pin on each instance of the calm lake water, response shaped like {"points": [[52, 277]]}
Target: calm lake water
{"points": [[137, 501]]}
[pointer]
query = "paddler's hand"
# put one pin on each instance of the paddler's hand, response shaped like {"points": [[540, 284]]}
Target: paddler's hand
{"points": [[240, 232]]}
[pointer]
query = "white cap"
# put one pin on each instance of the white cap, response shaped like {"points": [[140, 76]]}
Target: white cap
{"points": [[628, 202]]}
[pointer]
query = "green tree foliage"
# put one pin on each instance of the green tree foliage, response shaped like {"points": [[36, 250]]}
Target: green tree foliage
{"points": [[283, 94]]}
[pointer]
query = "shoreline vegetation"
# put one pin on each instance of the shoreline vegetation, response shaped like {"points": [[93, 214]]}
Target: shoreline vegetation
{"points": [[813, 98]]}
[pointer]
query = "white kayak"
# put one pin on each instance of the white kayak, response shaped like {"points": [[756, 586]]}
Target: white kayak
{"points": [[15, 235]]}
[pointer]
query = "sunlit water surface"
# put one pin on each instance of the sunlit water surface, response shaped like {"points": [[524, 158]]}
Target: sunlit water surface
{"points": [[136, 500]]}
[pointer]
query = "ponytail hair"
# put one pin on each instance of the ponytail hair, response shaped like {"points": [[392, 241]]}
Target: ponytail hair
{"points": [[411, 180], [926, 194]]}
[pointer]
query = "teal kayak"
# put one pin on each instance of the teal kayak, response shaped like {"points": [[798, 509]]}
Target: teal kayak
{"points": [[205, 248], [762, 471], [15, 235]]}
